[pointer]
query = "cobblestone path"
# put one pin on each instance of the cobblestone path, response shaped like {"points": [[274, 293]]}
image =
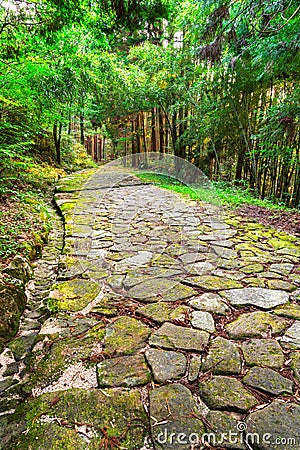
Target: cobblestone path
{"points": [[173, 326]]}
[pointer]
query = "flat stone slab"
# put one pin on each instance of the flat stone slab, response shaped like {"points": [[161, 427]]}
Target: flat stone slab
{"points": [[223, 358], [290, 310], [174, 422], [175, 337], [291, 338], [158, 311], [73, 295], [127, 371], [226, 430], [268, 381], [263, 352], [194, 368], [203, 320], [157, 289], [211, 303], [166, 365], [256, 324], [260, 297], [212, 282], [225, 393], [125, 336], [278, 423]]}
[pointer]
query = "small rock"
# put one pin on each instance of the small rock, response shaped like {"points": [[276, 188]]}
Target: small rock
{"points": [[176, 337], [263, 352], [226, 393], [194, 368], [278, 423], [203, 320], [255, 324], [223, 358], [20, 269], [291, 338], [268, 380], [166, 365], [211, 303], [263, 298], [125, 371]]}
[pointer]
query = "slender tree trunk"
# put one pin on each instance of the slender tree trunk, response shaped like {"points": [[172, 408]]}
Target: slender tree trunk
{"points": [[81, 129], [57, 131]]}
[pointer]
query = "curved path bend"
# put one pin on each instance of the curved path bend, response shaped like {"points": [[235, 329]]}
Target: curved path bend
{"points": [[172, 326]]}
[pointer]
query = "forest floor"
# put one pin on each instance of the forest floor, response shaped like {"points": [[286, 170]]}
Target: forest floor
{"points": [[171, 319]]}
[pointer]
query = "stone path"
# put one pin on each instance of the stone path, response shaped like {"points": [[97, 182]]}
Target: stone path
{"points": [[173, 326]]}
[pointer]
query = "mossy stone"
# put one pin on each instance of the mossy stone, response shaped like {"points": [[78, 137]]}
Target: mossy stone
{"points": [[127, 371], [290, 310], [223, 358], [225, 393], [125, 336], [175, 417], [263, 352], [252, 268], [13, 301], [93, 408], [73, 295], [212, 282], [256, 324], [224, 424], [268, 380], [282, 285], [161, 289], [159, 311], [175, 337]]}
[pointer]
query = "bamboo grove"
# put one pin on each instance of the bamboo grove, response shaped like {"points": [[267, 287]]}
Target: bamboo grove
{"points": [[214, 82]]}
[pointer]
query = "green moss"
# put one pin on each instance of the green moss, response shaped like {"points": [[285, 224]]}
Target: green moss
{"points": [[119, 413], [73, 295]]}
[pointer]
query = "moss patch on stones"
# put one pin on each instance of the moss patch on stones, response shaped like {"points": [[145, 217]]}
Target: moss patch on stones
{"points": [[113, 416], [73, 295]]}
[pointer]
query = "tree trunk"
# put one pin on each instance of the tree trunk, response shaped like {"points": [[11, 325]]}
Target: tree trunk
{"points": [[57, 130], [81, 129]]}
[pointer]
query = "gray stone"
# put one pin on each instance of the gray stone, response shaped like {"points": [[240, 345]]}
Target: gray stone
{"points": [[166, 365], [282, 269], [125, 336], [20, 269], [175, 337], [291, 338], [125, 371], [199, 268], [268, 380], [278, 423], [223, 358], [281, 284], [159, 311], [174, 418], [210, 302], [203, 320], [225, 393], [225, 428], [194, 368], [263, 352], [212, 282], [157, 289], [263, 298], [256, 324]]}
